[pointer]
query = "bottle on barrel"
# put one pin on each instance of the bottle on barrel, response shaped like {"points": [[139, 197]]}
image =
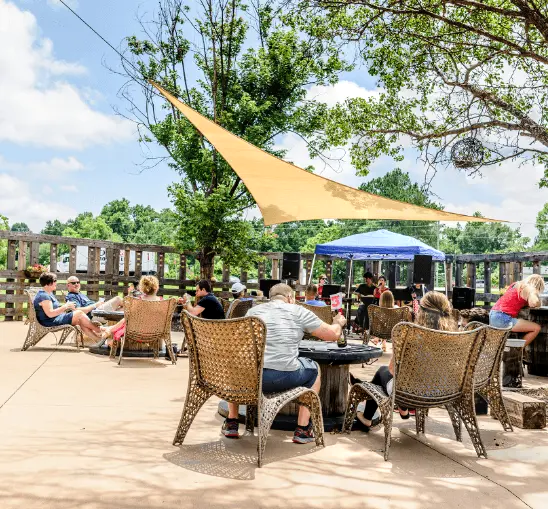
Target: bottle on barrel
{"points": [[341, 342]]}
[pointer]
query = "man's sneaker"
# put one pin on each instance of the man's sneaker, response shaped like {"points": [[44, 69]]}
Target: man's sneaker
{"points": [[230, 428], [303, 435]]}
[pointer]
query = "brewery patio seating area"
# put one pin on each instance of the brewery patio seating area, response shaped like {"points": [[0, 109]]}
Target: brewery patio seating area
{"points": [[79, 431]]}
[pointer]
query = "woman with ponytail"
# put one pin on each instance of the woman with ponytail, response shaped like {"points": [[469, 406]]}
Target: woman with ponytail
{"points": [[435, 312]]}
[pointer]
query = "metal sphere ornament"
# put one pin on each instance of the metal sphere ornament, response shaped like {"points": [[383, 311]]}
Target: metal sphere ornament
{"points": [[467, 153]]}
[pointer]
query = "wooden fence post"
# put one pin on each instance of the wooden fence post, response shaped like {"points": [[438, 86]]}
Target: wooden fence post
{"points": [[536, 267], [487, 280], [329, 271], [448, 283], [275, 268], [11, 265], [471, 275], [261, 270], [21, 266], [458, 275]]}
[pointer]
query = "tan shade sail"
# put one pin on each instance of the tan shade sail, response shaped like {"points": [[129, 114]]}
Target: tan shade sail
{"points": [[284, 192]]}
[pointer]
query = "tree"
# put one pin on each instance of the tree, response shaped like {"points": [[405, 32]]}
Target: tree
{"points": [[117, 215], [477, 238], [541, 242], [447, 70], [238, 64], [4, 243], [19, 227], [54, 227]]}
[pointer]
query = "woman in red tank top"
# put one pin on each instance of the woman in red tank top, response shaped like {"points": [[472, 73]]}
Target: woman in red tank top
{"points": [[519, 295]]}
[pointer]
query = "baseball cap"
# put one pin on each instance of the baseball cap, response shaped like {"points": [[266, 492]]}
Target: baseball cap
{"points": [[237, 288]]}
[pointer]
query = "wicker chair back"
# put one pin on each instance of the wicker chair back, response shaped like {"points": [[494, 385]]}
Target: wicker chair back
{"points": [[225, 303], [383, 320], [433, 367], [148, 321], [32, 292], [238, 308], [324, 313], [227, 356], [488, 365]]}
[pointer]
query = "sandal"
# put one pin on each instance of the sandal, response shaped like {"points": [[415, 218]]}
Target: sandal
{"points": [[406, 416], [360, 425]]}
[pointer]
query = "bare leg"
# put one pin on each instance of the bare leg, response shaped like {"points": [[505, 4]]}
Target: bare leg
{"points": [[530, 328], [304, 414], [81, 319], [232, 411]]}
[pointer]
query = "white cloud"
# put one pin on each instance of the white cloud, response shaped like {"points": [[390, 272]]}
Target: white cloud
{"points": [[55, 168], [20, 202], [333, 94], [37, 106]]}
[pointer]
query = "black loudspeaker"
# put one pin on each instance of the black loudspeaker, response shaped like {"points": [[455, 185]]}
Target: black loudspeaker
{"points": [[330, 290], [291, 266], [266, 284], [463, 297], [392, 274], [422, 269]]}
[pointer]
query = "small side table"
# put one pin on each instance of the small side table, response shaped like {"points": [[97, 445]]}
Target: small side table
{"points": [[512, 363]]}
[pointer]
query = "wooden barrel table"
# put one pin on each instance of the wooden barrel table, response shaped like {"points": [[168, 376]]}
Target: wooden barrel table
{"points": [[536, 354]]}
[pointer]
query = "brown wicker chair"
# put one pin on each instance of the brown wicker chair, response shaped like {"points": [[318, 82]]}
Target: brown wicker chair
{"points": [[225, 303], [487, 380], [383, 320], [238, 308], [147, 322], [37, 331], [226, 360], [431, 368]]}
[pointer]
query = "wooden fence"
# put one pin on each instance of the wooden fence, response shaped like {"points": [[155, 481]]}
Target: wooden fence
{"points": [[109, 278]]}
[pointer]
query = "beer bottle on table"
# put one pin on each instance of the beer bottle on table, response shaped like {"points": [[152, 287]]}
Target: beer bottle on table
{"points": [[341, 342]]}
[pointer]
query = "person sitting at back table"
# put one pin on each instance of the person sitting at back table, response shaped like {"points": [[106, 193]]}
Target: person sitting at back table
{"points": [[519, 295], [148, 289], [208, 306], [381, 287], [387, 300], [50, 313], [310, 296], [283, 369], [238, 292], [84, 303]]}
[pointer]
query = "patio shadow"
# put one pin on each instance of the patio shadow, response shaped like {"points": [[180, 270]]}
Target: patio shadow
{"points": [[236, 459]]}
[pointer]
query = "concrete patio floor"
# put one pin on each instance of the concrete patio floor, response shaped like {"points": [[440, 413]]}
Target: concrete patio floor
{"points": [[76, 430]]}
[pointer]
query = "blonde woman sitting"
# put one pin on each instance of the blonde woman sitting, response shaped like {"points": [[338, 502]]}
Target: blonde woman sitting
{"points": [[148, 286], [519, 295]]}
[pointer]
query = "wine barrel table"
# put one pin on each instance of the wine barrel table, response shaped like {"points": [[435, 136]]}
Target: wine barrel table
{"points": [[536, 354], [334, 364]]}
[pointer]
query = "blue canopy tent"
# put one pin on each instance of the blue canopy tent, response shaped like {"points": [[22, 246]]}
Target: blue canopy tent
{"points": [[376, 245]]}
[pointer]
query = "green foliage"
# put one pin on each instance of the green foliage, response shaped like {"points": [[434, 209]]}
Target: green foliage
{"points": [[480, 238], [541, 242], [20, 227], [4, 225], [250, 68], [445, 70]]}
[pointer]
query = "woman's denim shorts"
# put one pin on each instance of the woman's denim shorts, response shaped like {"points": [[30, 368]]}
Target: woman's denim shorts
{"points": [[62, 319], [277, 381], [501, 320]]}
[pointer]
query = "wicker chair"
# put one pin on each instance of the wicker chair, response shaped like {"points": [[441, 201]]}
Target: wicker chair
{"points": [[431, 368], [225, 303], [383, 320], [37, 331], [487, 380], [226, 360], [147, 322], [324, 313], [238, 308]]}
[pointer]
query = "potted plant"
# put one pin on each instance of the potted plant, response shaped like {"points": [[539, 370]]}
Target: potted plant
{"points": [[35, 271]]}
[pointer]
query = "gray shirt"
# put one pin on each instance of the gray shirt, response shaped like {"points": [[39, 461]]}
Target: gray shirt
{"points": [[285, 327]]}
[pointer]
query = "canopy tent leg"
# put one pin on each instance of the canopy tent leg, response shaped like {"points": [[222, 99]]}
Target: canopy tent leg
{"points": [[445, 272], [312, 269], [348, 302]]}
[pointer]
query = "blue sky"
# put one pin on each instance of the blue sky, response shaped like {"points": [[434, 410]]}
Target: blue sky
{"points": [[64, 151]]}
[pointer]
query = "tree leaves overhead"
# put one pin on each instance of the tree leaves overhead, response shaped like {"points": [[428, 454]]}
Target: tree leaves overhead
{"points": [[446, 69], [247, 67]]}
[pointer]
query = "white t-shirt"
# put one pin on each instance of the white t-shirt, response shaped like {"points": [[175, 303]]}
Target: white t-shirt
{"points": [[285, 327]]}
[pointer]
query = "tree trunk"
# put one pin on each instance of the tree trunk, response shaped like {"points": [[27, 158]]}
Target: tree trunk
{"points": [[207, 261]]}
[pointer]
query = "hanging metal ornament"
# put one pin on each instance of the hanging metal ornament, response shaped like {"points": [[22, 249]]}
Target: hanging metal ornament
{"points": [[468, 153]]}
